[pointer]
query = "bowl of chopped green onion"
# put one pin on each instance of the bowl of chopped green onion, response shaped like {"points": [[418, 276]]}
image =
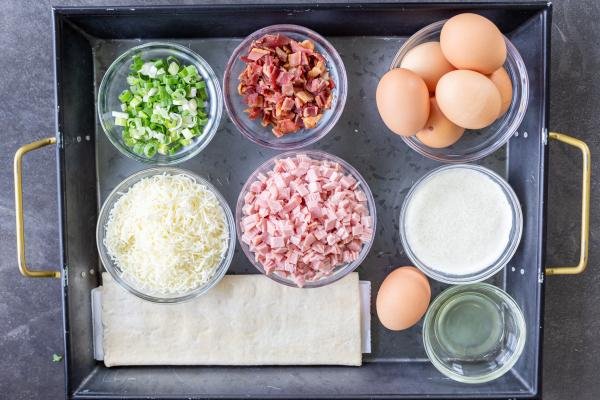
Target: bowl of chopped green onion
{"points": [[160, 103]]}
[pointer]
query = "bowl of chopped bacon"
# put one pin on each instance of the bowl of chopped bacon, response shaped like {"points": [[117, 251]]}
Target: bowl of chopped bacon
{"points": [[306, 218], [285, 87]]}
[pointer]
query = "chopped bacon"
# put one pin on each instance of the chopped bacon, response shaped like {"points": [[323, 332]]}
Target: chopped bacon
{"points": [[304, 96], [285, 83], [295, 59], [317, 85], [257, 53], [311, 122], [254, 100], [287, 89], [299, 47], [287, 104], [283, 56], [272, 41], [284, 78], [253, 113], [284, 127], [310, 111], [318, 70]]}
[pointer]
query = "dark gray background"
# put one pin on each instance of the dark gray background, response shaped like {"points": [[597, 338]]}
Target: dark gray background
{"points": [[30, 310]]}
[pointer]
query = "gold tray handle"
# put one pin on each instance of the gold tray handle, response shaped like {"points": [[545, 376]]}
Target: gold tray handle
{"points": [[25, 271], [585, 206]]}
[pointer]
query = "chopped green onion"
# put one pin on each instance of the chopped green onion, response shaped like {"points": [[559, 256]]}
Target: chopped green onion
{"points": [[164, 108], [173, 68]]}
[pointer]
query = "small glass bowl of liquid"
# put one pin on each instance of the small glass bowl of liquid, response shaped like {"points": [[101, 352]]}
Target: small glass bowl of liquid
{"points": [[474, 333]]}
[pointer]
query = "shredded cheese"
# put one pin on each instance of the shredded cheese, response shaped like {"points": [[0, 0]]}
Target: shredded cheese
{"points": [[167, 234]]}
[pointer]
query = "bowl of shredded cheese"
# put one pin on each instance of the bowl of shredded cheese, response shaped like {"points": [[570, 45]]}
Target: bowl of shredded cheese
{"points": [[166, 235]]}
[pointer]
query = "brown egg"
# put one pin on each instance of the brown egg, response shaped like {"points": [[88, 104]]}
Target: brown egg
{"points": [[468, 98], [427, 61], [502, 81], [470, 41], [439, 131], [403, 101], [403, 298]]}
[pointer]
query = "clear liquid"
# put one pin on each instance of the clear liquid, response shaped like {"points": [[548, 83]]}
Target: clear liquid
{"points": [[470, 327]]}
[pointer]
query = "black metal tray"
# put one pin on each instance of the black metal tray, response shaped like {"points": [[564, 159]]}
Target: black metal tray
{"points": [[367, 36]]}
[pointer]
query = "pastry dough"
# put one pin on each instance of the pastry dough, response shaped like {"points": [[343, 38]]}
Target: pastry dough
{"points": [[244, 320]]}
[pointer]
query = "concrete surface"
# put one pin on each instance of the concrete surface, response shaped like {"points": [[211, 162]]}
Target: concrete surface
{"points": [[30, 310]]}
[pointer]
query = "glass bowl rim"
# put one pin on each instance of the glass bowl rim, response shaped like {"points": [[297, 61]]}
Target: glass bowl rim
{"points": [[479, 287], [521, 107], [341, 270], [339, 104], [505, 257], [211, 79], [120, 190]]}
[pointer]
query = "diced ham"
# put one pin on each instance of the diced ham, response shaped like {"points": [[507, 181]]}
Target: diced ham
{"points": [[320, 234], [314, 187], [305, 218], [329, 224], [276, 242], [360, 196], [347, 181], [312, 174]]}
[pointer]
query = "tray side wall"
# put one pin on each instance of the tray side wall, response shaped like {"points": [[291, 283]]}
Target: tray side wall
{"points": [[77, 196], [527, 172]]}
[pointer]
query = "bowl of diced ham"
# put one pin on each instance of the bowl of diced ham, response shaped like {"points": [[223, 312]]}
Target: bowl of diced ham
{"points": [[306, 218], [285, 87]]}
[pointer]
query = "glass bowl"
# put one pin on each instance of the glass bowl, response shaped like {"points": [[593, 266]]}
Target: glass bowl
{"points": [[340, 271], [491, 269], [475, 144], [130, 285], [252, 129], [115, 81], [474, 333]]}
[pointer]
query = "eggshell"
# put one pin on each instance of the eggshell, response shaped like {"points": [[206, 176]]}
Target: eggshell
{"points": [[502, 81], [403, 101], [468, 98], [470, 41], [403, 298], [439, 131], [427, 61]]}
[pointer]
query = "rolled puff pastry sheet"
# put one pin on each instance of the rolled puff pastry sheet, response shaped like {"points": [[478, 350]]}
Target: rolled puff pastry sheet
{"points": [[244, 320]]}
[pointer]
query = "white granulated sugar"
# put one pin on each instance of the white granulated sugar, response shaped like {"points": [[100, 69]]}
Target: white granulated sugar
{"points": [[458, 221]]}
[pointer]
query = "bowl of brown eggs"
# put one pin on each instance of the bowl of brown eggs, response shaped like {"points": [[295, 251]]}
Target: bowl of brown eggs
{"points": [[456, 91]]}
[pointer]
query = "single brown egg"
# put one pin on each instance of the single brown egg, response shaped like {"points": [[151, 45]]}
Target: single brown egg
{"points": [[439, 131], [470, 41], [403, 101], [427, 61], [502, 81], [403, 298], [468, 98]]}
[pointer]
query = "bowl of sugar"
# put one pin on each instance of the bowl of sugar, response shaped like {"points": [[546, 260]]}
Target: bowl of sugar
{"points": [[461, 223]]}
